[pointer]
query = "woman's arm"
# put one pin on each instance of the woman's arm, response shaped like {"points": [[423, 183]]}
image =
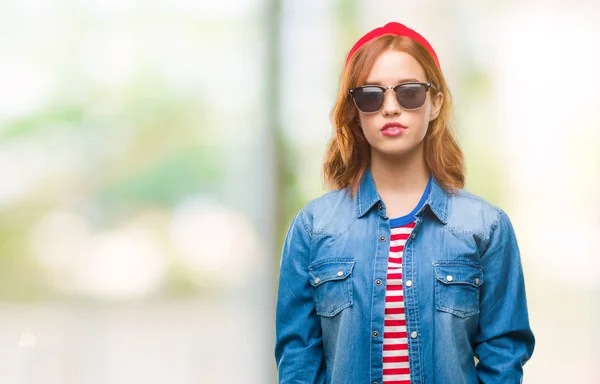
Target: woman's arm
{"points": [[298, 345], [504, 340]]}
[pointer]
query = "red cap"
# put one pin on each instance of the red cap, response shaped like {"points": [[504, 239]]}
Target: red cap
{"points": [[393, 28]]}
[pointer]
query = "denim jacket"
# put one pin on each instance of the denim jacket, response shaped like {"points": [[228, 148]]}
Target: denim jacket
{"points": [[465, 300]]}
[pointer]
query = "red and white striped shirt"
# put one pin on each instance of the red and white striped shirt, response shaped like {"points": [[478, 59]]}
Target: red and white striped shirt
{"points": [[396, 368]]}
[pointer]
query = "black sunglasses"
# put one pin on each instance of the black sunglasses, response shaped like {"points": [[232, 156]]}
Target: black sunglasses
{"points": [[369, 98]]}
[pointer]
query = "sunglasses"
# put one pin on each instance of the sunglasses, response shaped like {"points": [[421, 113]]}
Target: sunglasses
{"points": [[369, 98]]}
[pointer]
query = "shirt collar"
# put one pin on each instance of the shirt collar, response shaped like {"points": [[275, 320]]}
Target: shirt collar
{"points": [[367, 196]]}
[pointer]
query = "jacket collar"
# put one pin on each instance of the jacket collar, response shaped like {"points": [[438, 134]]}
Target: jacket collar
{"points": [[367, 196]]}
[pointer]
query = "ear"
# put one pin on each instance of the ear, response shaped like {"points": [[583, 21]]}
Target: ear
{"points": [[436, 105]]}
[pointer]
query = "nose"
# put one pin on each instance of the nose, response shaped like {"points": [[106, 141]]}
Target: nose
{"points": [[390, 103]]}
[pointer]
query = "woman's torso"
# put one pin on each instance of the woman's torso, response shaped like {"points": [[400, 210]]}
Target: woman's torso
{"points": [[442, 275]]}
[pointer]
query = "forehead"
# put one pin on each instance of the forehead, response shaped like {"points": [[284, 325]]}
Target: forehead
{"points": [[394, 66]]}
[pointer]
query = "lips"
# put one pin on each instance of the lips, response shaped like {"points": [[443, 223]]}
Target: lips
{"points": [[392, 129], [392, 125]]}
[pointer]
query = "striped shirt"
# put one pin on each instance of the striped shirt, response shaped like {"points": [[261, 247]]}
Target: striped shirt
{"points": [[396, 368]]}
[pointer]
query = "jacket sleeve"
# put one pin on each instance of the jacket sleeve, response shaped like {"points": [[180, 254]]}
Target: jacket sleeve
{"points": [[298, 340], [504, 340]]}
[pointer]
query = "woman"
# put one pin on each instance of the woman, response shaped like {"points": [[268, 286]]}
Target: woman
{"points": [[398, 275]]}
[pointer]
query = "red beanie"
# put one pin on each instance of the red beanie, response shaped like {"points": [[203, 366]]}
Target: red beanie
{"points": [[393, 28]]}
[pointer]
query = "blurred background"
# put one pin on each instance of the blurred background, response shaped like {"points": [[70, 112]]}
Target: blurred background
{"points": [[153, 154]]}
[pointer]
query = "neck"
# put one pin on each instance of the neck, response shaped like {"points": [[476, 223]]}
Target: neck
{"points": [[400, 175]]}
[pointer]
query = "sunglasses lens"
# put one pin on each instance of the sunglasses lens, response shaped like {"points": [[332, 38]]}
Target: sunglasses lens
{"points": [[411, 96], [368, 99]]}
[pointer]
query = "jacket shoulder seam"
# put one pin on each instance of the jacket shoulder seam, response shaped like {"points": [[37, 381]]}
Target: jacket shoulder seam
{"points": [[304, 224], [500, 213]]}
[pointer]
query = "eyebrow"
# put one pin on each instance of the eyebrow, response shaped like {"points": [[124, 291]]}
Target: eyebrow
{"points": [[408, 80]]}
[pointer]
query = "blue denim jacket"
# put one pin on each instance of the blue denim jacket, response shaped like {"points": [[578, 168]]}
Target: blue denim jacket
{"points": [[328, 324]]}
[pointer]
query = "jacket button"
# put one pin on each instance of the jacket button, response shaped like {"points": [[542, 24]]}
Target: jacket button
{"points": [[380, 207], [340, 274], [378, 282], [409, 283], [413, 235], [476, 280], [382, 238], [413, 334], [375, 334], [317, 280], [449, 278]]}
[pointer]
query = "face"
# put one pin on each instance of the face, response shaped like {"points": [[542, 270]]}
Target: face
{"points": [[392, 68]]}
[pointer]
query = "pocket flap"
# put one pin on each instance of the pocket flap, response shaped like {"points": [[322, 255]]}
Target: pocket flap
{"points": [[453, 273], [328, 271]]}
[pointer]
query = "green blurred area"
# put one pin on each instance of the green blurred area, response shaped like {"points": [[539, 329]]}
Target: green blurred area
{"points": [[153, 155], [148, 143]]}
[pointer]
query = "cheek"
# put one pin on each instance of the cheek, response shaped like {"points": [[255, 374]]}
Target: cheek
{"points": [[421, 117], [367, 122]]}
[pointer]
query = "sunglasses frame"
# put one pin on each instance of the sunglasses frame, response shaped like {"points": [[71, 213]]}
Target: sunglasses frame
{"points": [[427, 86]]}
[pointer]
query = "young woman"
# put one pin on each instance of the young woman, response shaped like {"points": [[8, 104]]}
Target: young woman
{"points": [[398, 275]]}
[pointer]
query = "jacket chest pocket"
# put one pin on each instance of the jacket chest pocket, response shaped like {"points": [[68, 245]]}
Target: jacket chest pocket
{"points": [[457, 288], [332, 282]]}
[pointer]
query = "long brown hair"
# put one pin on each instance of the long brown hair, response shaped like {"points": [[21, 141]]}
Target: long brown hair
{"points": [[349, 154]]}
